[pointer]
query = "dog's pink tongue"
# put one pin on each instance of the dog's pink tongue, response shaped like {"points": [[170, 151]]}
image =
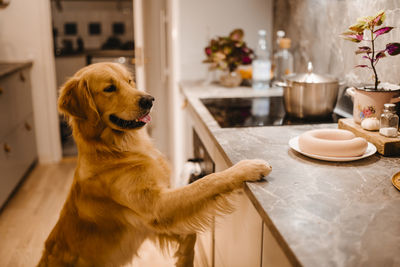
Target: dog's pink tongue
{"points": [[145, 118]]}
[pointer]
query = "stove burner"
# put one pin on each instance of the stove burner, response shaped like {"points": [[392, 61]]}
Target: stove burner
{"points": [[256, 111]]}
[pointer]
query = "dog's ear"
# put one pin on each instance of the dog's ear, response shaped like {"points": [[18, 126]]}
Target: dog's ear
{"points": [[68, 101]]}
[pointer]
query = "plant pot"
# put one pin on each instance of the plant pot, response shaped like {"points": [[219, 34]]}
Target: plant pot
{"points": [[230, 79], [369, 102]]}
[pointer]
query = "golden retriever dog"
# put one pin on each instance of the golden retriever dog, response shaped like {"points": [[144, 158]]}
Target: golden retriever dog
{"points": [[121, 192]]}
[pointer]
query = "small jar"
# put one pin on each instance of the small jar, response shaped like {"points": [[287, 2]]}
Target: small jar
{"points": [[389, 123]]}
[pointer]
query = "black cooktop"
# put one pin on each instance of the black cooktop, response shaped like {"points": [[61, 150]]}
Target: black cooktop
{"points": [[256, 111]]}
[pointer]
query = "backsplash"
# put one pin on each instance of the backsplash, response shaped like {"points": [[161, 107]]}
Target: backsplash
{"points": [[314, 27], [93, 21]]}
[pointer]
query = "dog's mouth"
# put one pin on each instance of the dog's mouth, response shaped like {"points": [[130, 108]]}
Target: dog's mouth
{"points": [[130, 124]]}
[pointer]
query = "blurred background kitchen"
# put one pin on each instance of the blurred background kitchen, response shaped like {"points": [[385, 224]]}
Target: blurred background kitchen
{"points": [[168, 38], [162, 42], [86, 32]]}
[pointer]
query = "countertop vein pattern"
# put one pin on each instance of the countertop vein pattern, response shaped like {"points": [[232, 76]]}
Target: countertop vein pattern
{"points": [[321, 213], [10, 67]]}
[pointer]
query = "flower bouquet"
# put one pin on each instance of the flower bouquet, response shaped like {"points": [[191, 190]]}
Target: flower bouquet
{"points": [[227, 53]]}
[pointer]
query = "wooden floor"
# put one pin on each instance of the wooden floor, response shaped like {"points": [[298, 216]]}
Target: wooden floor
{"points": [[32, 212]]}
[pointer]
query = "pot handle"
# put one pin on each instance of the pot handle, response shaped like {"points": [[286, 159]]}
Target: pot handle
{"points": [[280, 84], [351, 91], [395, 100]]}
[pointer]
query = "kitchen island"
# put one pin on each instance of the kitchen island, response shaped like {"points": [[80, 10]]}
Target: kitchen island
{"points": [[319, 213], [17, 129]]}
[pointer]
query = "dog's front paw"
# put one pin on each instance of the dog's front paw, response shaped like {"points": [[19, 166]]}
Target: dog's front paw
{"points": [[251, 170]]}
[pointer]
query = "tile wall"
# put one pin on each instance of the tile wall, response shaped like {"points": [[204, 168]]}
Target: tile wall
{"points": [[314, 26]]}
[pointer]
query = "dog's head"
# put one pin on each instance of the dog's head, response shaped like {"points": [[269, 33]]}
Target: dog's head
{"points": [[105, 92]]}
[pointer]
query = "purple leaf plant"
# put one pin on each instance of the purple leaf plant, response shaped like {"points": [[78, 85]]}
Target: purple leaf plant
{"points": [[359, 32]]}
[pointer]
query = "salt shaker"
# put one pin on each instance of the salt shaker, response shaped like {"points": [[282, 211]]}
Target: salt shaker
{"points": [[389, 122]]}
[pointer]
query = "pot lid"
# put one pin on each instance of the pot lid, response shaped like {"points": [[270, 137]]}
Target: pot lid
{"points": [[310, 77]]}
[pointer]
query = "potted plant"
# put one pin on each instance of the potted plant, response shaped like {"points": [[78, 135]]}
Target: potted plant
{"points": [[369, 100], [227, 53]]}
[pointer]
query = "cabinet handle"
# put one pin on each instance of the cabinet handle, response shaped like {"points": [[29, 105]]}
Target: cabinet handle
{"points": [[28, 127], [7, 148], [22, 76], [1, 91]]}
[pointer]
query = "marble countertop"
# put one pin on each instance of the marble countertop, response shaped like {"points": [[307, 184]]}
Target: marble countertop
{"points": [[321, 213], [10, 67]]}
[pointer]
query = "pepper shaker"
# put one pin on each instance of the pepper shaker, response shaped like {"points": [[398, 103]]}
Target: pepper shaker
{"points": [[389, 122]]}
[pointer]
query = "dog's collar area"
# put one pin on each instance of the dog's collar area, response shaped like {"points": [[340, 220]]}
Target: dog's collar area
{"points": [[126, 124]]}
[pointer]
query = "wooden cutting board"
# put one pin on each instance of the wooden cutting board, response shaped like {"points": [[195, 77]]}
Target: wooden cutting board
{"points": [[385, 145]]}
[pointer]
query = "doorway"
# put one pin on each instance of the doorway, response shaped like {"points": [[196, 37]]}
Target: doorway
{"points": [[86, 32], [152, 44]]}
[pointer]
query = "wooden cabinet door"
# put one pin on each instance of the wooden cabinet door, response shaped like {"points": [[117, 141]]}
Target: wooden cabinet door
{"points": [[15, 100], [17, 153], [238, 236], [203, 256], [272, 254]]}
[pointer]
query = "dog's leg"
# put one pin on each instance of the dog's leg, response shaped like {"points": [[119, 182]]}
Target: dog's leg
{"points": [[185, 252], [190, 208]]}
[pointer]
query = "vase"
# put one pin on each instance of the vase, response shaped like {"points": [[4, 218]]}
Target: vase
{"points": [[368, 102], [230, 79]]}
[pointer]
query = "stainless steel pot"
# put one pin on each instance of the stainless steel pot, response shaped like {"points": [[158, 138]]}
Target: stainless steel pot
{"points": [[309, 95]]}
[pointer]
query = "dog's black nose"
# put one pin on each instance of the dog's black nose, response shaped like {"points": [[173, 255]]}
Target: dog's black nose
{"points": [[146, 101]]}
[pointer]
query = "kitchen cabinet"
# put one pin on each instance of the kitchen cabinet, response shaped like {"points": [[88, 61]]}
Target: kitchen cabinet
{"points": [[272, 254], [17, 136], [234, 239], [204, 248], [238, 236]]}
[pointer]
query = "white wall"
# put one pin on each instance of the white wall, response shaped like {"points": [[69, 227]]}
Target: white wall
{"points": [[200, 21], [25, 34]]}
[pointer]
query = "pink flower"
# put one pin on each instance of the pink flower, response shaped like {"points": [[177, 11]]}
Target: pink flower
{"points": [[208, 51], [367, 112], [246, 60]]}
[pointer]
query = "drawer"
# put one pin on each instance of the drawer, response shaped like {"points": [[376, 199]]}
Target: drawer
{"points": [[17, 153], [15, 100]]}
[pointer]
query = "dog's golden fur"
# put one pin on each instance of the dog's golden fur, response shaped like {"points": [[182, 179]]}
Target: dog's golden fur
{"points": [[120, 194]]}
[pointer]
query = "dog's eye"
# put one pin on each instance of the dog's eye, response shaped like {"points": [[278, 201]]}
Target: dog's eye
{"points": [[110, 89], [130, 81]]}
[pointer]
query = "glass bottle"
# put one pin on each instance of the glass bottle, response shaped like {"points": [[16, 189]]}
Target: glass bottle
{"points": [[262, 64], [279, 36], [389, 123], [283, 60]]}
